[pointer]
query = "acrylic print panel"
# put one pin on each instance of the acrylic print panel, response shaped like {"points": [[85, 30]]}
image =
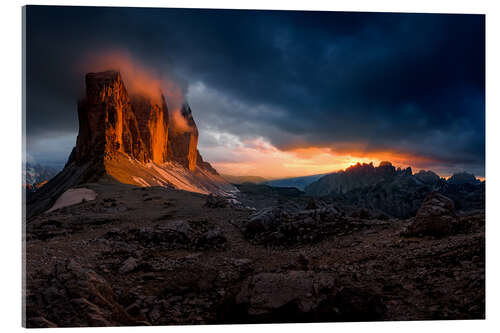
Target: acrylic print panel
{"points": [[189, 166]]}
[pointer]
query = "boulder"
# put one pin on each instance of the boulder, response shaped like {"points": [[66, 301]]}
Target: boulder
{"points": [[78, 296], [276, 226], [177, 234], [264, 220], [267, 292], [212, 239], [304, 296], [216, 201], [436, 217], [128, 265]]}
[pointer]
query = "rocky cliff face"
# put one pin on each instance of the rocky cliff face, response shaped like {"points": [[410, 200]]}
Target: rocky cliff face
{"points": [[184, 140], [152, 120], [139, 126], [134, 139], [107, 123]]}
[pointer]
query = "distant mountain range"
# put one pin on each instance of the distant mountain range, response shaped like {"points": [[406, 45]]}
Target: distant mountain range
{"points": [[395, 191], [363, 175], [398, 192], [244, 179], [297, 182], [37, 175]]}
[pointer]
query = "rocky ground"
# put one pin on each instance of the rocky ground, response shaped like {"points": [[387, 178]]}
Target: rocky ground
{"points": [[156, 256]]}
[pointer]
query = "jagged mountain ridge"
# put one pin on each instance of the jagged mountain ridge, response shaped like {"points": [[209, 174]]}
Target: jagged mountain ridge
{"points": [[395, 191], [133, 139], [356, 176]]}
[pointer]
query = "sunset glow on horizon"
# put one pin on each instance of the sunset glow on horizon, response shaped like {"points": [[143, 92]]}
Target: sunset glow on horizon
{"points": [[259, 157]]}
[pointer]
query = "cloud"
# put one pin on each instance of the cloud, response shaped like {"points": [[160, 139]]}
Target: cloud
{"points": [[138, 77], [50, 148], [233, 156]]}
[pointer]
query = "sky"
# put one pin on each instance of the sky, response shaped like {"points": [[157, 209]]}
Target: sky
{"points": [[277, 93]]}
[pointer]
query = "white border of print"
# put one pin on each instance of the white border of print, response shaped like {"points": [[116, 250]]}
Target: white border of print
{"points": [[11, 138]]}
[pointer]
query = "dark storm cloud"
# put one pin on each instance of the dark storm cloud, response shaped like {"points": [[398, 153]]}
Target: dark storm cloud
{"points": [[399, 82]]}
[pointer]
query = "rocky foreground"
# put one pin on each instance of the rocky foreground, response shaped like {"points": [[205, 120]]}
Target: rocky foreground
{"points": [[157, 256]]}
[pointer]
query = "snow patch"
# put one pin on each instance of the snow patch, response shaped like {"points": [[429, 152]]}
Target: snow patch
{"points": [[73, 196], [178, 176]]}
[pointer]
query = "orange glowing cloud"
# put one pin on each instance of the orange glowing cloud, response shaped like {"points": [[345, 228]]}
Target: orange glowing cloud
{"points": [[140, 79], [180, 123]]}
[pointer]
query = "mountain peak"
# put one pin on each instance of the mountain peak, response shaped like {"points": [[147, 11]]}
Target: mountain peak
{"points": [[107, 123], [105, 75], [463, 178], [134, 140], [112, 121]]}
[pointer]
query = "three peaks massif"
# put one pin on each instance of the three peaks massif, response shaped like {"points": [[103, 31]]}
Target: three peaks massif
{"points": [[131, 138], [134, 138]]}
